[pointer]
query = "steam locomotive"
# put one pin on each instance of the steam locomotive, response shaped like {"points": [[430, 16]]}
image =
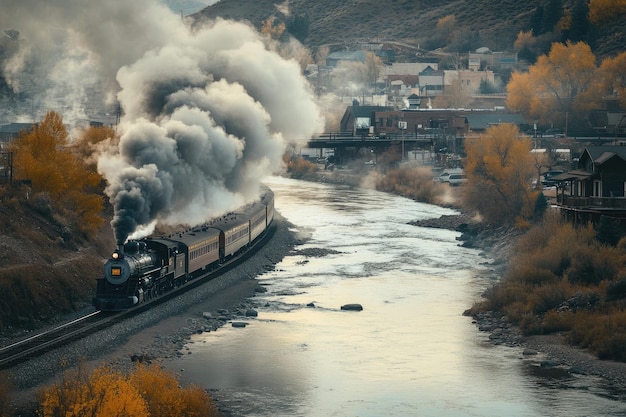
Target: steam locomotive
{"points": [[141, 270]]}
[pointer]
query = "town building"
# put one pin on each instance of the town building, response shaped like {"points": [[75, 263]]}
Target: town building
{"points": [[596, 188]]}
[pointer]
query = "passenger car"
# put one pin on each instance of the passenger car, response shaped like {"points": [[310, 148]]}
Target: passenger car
{"points": [[457, 179]]}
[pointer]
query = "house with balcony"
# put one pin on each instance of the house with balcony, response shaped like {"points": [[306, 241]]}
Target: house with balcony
{"points": [[596, 188]]}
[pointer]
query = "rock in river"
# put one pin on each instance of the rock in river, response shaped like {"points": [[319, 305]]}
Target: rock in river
{"points": [[352, 307]]}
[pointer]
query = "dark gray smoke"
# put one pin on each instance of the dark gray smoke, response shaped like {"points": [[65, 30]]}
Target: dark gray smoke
{"points": [[207, 112], [207, 118]]}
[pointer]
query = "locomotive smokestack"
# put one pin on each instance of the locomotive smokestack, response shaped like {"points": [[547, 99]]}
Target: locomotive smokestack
{"points": [[120, 248]]}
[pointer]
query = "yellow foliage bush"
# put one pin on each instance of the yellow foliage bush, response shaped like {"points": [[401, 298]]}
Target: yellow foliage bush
{"points": [[299, 167], [561, 278], [147, 391], [498, 168], [41, 155], [415, 183], [104, 393], [161, 391], [601, 332], [554, 321]]}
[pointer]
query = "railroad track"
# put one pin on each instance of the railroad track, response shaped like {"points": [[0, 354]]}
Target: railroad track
{"points": [[32, 346], [22, 350]]}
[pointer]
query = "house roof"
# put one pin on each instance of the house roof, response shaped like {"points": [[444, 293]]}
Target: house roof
{"points": [[411, 80], [430, 71], [601, 154], [577, 174], [481, 121]]}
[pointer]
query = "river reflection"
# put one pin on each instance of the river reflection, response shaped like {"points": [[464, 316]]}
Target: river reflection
{"points": [[410, 352]]}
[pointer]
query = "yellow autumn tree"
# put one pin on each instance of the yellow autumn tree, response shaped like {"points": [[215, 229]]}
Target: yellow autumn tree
{"points": [[499, 168], [272, 29], [613, 71], [165, 398], [42, 157], [445, 27], [561, 88], [86, 144], [39, 157], [104, 393]]}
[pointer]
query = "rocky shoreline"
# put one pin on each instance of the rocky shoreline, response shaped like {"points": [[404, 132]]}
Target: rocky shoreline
{"points": [[543, 351]]}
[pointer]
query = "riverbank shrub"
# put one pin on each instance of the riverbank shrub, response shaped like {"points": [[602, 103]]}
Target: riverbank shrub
{"points": [[561, 278], [616, 290], [298, 167], [148, 391], [602, 331], [415, 183]]}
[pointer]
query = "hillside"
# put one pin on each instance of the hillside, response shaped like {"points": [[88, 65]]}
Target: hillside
{"points": [[46, 269], [410, 21]]}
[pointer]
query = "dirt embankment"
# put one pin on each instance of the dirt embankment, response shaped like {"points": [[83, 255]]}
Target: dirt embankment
{"points": [[47, 270]]}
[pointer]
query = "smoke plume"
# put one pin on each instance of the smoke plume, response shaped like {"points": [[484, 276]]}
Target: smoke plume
{"points": [[206, 111]]}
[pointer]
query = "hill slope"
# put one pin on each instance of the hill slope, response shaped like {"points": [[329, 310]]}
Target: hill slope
{"points": [[46, 269], [410, 21]]}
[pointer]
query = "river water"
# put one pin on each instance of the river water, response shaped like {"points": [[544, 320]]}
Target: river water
{"points": [[409, 352]]}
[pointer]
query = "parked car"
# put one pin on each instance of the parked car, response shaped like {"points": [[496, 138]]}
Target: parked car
{"points": [[546, 178], [445, 176], [457, 179]]}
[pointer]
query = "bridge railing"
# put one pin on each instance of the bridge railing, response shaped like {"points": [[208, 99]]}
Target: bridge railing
{"points": [[388, 136]]}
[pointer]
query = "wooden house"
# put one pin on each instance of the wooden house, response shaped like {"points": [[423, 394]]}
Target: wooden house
{"points": [[596, 188]]}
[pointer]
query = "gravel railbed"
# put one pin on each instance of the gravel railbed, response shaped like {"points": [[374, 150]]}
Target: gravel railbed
{"points": [[160, 332]]}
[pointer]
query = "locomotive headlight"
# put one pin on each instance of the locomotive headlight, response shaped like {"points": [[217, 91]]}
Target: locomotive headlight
{"points": [[115, 255]]}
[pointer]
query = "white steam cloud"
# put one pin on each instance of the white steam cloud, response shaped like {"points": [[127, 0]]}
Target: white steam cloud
{"points": [[207, 111]]}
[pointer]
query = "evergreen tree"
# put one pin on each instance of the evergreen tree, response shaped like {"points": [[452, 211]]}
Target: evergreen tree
{"points": [[299, 27]]}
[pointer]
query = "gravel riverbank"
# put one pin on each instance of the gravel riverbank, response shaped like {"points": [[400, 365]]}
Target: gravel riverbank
{"points": [[160, 332]]}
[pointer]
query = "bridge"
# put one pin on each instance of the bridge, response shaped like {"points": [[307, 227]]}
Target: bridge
{"points": [[345, 144]]}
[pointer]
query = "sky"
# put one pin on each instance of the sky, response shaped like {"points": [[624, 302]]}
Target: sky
{"points": [[188, 7]]}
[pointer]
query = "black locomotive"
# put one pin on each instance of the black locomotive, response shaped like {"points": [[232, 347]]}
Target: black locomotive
{"points": [[143, 269]]}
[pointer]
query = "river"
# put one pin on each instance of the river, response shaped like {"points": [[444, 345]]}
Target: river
{"points": [[409, 352]]}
